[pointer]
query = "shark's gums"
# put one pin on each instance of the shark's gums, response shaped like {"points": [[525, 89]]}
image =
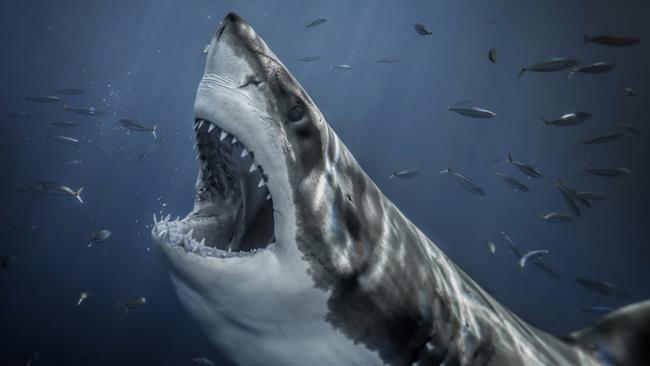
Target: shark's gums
{"points": [[293, 256]]}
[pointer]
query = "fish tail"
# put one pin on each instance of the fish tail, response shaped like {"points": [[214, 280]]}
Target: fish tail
{"points": [[585, 39], [541, 215], [77, 194], [154, 131], [521, 72], [545, 121], [509, 157], [391, 176], [571, 74], [65, 107], [448, 170]]}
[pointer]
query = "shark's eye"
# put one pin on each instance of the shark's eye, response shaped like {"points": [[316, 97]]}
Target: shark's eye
{"points": [[295, 113]]}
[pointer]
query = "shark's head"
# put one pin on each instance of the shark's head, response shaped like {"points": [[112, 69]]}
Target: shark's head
{"points": [[235, 259]]}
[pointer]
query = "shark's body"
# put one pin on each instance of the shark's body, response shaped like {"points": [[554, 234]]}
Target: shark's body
{"points": [[327, 271]]}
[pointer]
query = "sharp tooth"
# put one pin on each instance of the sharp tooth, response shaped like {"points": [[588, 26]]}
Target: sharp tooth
{"points": [[169, 216], [244, 153], [196, 157], [177, 218], [223, 135], [234, 139], [202, 242], [210, 128], [253, 168], [268, 196], [155, 219], [261, 183], [200, 124], [196, 124]]}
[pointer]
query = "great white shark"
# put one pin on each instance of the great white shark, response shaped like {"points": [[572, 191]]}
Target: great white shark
{"points": [[293, 256]]}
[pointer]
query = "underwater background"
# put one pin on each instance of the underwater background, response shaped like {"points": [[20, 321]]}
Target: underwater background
{"points": [[143, 60]]}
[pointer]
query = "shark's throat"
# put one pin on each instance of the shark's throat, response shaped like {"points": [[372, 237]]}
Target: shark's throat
{"points": [[233, 209]]}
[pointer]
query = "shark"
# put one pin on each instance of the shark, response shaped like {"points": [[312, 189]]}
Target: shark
{"points": [[292, 255]]}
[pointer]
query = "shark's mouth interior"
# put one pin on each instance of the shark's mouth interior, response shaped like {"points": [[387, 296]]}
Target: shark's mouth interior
{"points": [[233, 209]]}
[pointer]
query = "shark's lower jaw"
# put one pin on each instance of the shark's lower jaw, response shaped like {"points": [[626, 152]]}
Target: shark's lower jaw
{"points": [[233, 210]]}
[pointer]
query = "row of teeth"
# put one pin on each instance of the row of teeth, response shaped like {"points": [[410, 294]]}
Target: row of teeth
{"points": [[223, 136], [171, 231]]}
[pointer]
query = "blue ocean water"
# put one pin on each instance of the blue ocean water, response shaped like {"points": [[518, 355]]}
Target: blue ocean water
{"points": [[142, 60]]}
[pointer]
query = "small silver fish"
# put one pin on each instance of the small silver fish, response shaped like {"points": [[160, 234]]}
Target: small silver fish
{"points": [[603, 139], [630, 92], [422, 30], [512, 182], [491, 247], [59, 189], [524, 168], [557, 217], [342, 67], [471, 111], [132, 125], [568, 119], [64, 139], [492, 55], [597, 68], [316, 22], [615, 41], [134, 303], [537, 254], [99, 236], [554, 64], [405, 174], [609, 172], [64, 124], [83, 296], [464, 182], [90, 111]]}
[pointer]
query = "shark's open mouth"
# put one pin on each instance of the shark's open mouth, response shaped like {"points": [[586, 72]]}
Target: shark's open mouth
{"points": [[233, 210]]}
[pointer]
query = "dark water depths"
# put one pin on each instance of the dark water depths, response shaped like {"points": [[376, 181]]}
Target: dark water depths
{"points": [[142, 59]]}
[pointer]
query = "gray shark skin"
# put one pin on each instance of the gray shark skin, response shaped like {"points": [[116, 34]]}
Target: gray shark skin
{"points": [[345, 279]]}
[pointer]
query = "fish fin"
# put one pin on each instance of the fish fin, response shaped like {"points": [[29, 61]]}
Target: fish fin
{"points": [[154, 131], [65, 107], [571, 74], [77, 194], [509, 157], [392, 176], [585, 39], [521, 72], [619, 338]]}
